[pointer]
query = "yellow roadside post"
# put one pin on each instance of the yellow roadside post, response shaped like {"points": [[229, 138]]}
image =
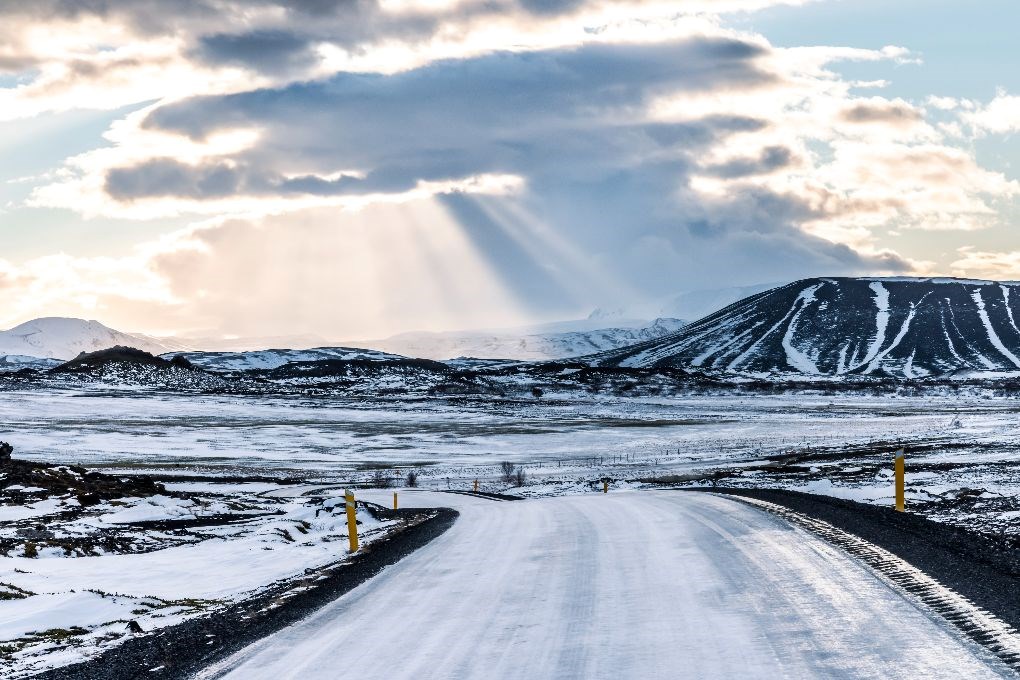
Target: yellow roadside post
{"points": [[605, 486], [476, 486], [352, 521], [394, 500], [900, 470]]}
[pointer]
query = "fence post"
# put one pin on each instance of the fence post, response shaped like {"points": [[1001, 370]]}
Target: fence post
{"points": [[900, 473], [394, 500], [352, 521]]}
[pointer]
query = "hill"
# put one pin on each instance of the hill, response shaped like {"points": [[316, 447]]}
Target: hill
{"points": [[898, 327]]}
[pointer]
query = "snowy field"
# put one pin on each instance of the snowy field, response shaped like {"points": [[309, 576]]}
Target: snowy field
{"points": [[73, 577], [116, 563], [557, 442]]}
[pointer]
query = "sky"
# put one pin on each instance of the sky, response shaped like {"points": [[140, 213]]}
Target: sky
{"points": [[222, 168]]}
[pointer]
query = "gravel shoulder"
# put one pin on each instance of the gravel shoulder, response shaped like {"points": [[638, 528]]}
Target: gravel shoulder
{"points": [[179, 651]]}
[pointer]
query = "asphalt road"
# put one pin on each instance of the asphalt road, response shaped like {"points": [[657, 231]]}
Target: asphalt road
{"points": [[626, 585]]}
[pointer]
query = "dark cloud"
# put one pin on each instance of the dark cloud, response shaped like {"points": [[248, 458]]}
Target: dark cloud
{"points": [[162, 177], [892, 113], [772, 158], [16, 63], [266, 51], [571, 122], [505, 90]]}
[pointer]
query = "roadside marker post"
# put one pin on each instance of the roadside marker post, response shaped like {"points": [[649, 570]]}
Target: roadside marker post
{"points": [[900, 484], [476, 486], [352, 521], [394, 500], [605, 486]]}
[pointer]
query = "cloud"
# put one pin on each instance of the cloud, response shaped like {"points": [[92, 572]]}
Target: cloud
{"points": [[896, 113], [770, 159], [541, 116], [1000, 265], [368, 167], [630, 159], [271, 52], [107, 55], [999, 116]]}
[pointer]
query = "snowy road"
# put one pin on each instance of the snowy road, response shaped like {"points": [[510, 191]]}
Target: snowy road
{"points": [[629, 585]]}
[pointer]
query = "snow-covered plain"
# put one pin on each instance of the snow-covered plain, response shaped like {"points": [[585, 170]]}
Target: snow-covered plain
{"points": [[563, 444], [960, 445], [630, 585], [138, 430], [67, 604]]}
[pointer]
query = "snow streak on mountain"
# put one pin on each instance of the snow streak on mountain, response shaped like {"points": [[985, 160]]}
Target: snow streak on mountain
{"points": [[900, 327]]}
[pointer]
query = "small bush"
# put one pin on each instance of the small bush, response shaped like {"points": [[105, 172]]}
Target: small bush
{"points": [[507, 469], [381, 480], [519, 477], [412, 479], [31, 550]]}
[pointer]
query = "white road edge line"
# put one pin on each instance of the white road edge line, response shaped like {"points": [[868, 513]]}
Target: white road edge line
{"points": [[977, 624]]}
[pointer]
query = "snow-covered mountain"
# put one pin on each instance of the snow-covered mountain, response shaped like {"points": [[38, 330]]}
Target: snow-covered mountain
{"points": [[902, 327], [63, 338], [541, 343]]}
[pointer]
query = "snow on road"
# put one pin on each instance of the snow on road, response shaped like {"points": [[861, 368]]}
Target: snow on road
{"points": [[629, 585]]}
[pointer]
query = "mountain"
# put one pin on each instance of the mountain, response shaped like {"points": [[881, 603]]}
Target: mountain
{"points": [[62, 338], [899, 327], [561, 340]]}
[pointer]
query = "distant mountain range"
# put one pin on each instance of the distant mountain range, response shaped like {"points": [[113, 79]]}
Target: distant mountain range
{"points": [[820, 328], [43, 343], [537, 343], [899, 327]]}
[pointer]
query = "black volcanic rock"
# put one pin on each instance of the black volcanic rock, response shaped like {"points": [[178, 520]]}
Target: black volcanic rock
{"points": [[119, 354], [128, 366], [89, 487], [897, 327]]}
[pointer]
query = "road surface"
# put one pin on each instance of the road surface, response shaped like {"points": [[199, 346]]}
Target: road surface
{"points": [[626, 585]]}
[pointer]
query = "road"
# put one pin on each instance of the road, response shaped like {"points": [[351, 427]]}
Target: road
{"points": [[626, 585]]}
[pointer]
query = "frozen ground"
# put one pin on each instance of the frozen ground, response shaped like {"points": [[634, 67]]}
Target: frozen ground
{"points": [[962, 448], [66, 603], [630, 585], [73, 577]]}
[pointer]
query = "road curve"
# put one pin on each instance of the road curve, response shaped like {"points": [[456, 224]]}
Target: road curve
{"points": [[626, 585]]}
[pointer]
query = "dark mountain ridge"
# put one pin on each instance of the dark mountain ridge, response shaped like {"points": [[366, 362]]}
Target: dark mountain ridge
{"points": [[896, 327]]}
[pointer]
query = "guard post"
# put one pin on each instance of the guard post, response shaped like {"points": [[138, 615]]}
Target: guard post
{"points": [[476, 486], [394, 500], [352, 521], [900, 483]]}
